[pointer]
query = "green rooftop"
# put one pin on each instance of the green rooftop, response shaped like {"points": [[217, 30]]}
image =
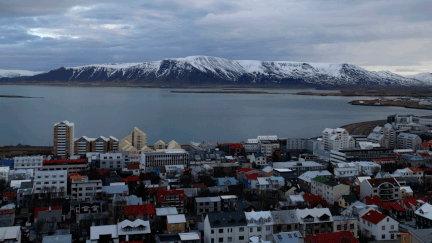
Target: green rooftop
{"points": [[320, 179]]}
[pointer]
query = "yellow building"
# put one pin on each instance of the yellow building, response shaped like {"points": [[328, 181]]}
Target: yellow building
{"points": [[346, 200], [134, 142], [406, 192], [405, 237], [177, 223]]}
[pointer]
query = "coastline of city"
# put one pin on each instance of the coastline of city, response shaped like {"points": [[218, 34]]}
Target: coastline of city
{"points": [[358, 173]]}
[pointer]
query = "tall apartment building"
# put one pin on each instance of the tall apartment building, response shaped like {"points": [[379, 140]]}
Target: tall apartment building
{"points": [[64, 139], [101, 144], [385, 136], [167, 157], [135, 142], [336, 139], [28, 162], [54, 182], [408, 141]]}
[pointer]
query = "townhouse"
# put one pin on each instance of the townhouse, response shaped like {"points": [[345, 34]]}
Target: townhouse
{"points": [[330, 191], [226, 227], [207, 205], [285, 220], [260, 224], [315, 221], [345, 223]]}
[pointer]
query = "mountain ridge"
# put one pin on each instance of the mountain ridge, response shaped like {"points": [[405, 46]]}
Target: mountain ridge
{"points": [[195, 70]]}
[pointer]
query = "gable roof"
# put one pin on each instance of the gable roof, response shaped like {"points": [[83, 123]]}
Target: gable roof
{"points": [[349, 198], [413, 201], [374, 217], [375, 200], [285, 217], [133, 166], [393, 205], [425, 211], [231, 219], [310, 197], [320, 179], [377, 182]]}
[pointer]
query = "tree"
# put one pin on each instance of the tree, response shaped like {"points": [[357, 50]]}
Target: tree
{"points": [[141, 190]]}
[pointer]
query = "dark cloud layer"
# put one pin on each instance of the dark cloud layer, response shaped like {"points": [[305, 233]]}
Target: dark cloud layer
{"points": [[378, 34]]}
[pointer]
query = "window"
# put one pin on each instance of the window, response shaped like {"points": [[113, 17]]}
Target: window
{"points": [[268, 228], [220, 230], [212, 231], [383, 227], [388, 219], [221, 240], [339, 227], [241, 237], [259, 229], [241, 229], [392, 236], [212, 240], [392, 227], [229, 239], [251, 229], [351, 226], [383, 237]]}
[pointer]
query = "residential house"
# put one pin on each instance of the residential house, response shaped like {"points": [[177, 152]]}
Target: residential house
{"points": [[379, 226], [260, 224], [228, 202], [133, 231], [116, 189], [146, 212], [305, 179], [177, 223], [104, 233], [418, 173], [88, 214], [172, 198], [345, 223], [394, 210], [10, 234], [423, 216], [258, 159], [7, 215], [227, 181], [85, 190], [207, 205], [57, 239], [406, 192], [250, 179], [267, 171], [226, 227], [358, 209], [246, 206], [330, 191], [345, 172], [285, 220], [346, 200], [412, 204], [271, 183], [387, 189], [315, 221]]}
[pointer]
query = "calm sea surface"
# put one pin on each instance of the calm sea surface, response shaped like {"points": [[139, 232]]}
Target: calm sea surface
{"points": [[169, 116]]}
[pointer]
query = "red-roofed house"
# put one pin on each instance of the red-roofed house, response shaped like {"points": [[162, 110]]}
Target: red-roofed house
{"points": [[412, 204], [373, 201], [335, 237], [134, 167], [248, 178], [378, 225], [310, 197], [388, 189], [171, 198], [143, 212], [237, 149], [394, 209], [38, 210], [418, 173]]}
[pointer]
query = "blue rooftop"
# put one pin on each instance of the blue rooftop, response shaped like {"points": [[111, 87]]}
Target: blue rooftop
{"points": [[222, 181], [7, 162]]}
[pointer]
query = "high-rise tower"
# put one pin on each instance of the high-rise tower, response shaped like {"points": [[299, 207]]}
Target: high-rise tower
{"points": [[64, 139]]}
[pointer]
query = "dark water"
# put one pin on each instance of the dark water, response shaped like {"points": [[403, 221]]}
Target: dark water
{"points": [[174, 116]]}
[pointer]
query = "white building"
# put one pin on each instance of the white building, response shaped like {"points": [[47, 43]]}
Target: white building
{"points": [[4, 173], [21, 174], [336, 139], [268, 183], [260, 224], [330, 191], [345, 172], [296, 144], [259, 159], [10, 234], [50, 181], [114, 161], [379, 225], [131, 229], [268, 147], [226, 227], [408, 141], [28, 162], [387, 189], [315, 221], [166, 157], [85, 190], [345, 223], [385, 136]]}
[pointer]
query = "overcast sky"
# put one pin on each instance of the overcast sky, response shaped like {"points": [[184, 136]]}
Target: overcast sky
{"points": [[394, 35]]}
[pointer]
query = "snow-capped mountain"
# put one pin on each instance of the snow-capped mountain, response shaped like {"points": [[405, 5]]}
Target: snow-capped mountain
{"points": [[16, 73], [195, 70], [426, 77]]}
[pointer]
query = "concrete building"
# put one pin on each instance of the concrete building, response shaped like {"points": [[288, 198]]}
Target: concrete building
{"points": [[28, 162], [207, 205], [113, 161], [54, 182], [85, 190], [285, 221], [330, 191], [64, 139], [260, 224], [385, 136], [305, 179], [345, 223], [166, 157], [135, 142], [408, 141], [387, 189], [315, 221], [336, 139], [296, 144], [226, 227], [343, 173], [359, 154], [10, 234], [68, 165], [4, 173], [268, 147], [379, 226], [299, 167]]}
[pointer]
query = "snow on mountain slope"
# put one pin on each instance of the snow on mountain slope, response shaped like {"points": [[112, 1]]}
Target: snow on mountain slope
{"points": [[426, 77], [16, 73], [206, 69]]}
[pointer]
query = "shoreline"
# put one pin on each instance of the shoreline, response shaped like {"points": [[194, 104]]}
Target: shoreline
{"points": [[19, 96]]}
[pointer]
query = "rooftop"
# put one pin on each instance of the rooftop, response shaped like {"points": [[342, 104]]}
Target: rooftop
{"points": [[374, 217], [176, 219]]}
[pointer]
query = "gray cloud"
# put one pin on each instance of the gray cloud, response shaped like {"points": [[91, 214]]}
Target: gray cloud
{"points": [[378, 34]]}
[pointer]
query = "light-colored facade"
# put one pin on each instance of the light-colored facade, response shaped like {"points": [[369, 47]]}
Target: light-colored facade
{"points": [[268, 147], [64, 139], [336, 139], [260, 224], [271, 183], [4, 173], [345, 223], [345, 172], [385, 136], [315, 221], [114, 161], [28, 162], [330, 191], [85, 190], [207, 205], [135, 142], [233, 229], [70, 166], [408, 141], [378, 225], [54, 182], [296, 144], [388, 189], [166, 157]]}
